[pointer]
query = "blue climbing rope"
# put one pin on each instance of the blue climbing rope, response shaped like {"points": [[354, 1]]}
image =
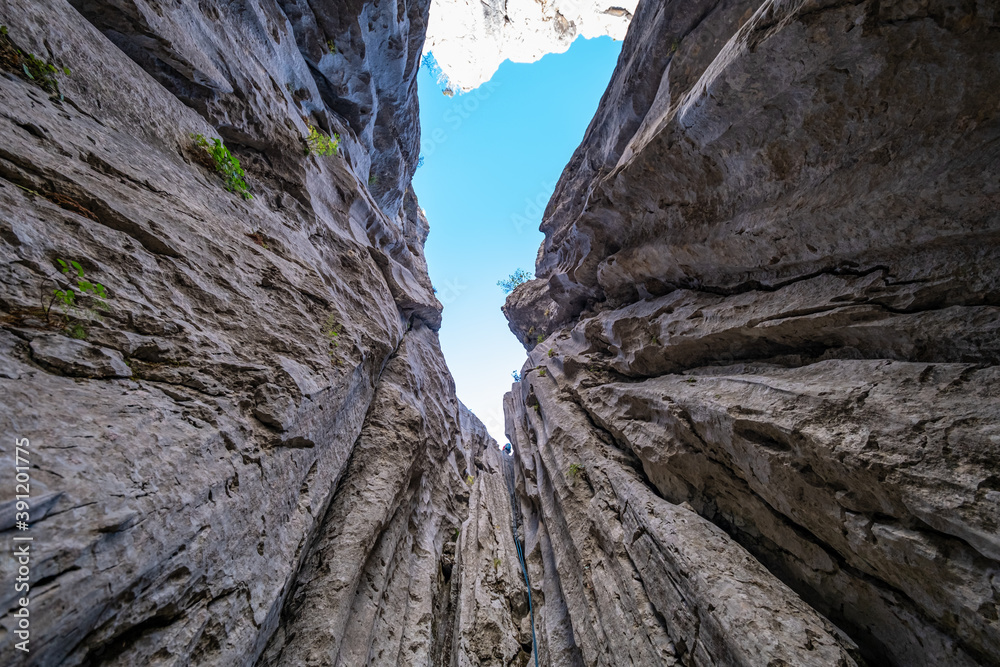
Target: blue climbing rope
{"points": [[508, 474]]}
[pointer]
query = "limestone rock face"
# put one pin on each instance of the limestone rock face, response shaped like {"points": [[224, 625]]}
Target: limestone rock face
{"points": [[492, 616], [249, 450], [373, 587], [470, 40], [767, 392], [760, 429]]}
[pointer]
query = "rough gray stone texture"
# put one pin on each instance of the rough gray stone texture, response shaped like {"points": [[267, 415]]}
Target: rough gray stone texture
{"points": [[768, 295], [492, 624], [627, 576], [761, 429], [367, 592], [738, 141], [180, 515], [341, 66], [76, 357]]}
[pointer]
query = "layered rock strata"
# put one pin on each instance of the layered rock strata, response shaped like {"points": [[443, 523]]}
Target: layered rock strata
{"points": [[257, 384], [759, 419]]}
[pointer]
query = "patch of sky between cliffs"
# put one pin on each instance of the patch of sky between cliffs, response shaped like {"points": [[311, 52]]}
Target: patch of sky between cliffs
{"points": [[491, 159]]}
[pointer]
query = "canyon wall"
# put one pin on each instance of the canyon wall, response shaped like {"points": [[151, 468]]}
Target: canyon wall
{"points": [[245, 447], [758, 424]]}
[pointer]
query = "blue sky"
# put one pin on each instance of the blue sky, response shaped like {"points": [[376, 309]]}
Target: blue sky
{"points": [[491, 160]]}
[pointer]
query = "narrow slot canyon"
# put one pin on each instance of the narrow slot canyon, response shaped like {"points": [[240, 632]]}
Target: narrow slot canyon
{"points": [[756, 422]]}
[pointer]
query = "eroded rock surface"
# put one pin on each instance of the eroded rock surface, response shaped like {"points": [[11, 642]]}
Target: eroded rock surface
{"points": [[758, 424], [762, 387], [372, 587], [265, 386], [492, 615]]}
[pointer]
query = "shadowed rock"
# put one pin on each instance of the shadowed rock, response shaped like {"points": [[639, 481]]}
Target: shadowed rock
{"points": [[768, 293]]}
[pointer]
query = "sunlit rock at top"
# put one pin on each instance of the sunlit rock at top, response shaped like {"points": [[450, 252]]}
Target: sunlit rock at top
{"points": [[471, 38]]}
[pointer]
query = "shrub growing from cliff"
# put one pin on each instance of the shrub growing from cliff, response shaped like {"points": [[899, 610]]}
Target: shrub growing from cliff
{"points": [[225, 164], [67, 298], [332, 331], [35, 69], [519, 277], [318, 143]]}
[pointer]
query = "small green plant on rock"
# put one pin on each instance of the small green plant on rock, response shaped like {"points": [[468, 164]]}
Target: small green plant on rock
{"points": [[318, 143], [373, 179], [552, 353], [496, 563], [42, 70], [575, 469], [519, 277], [330, 45], [690, 380], [542, 372], [225, 164], [540, 338], [67, 298], [470, 480], [36, 69], [330, 330]]}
